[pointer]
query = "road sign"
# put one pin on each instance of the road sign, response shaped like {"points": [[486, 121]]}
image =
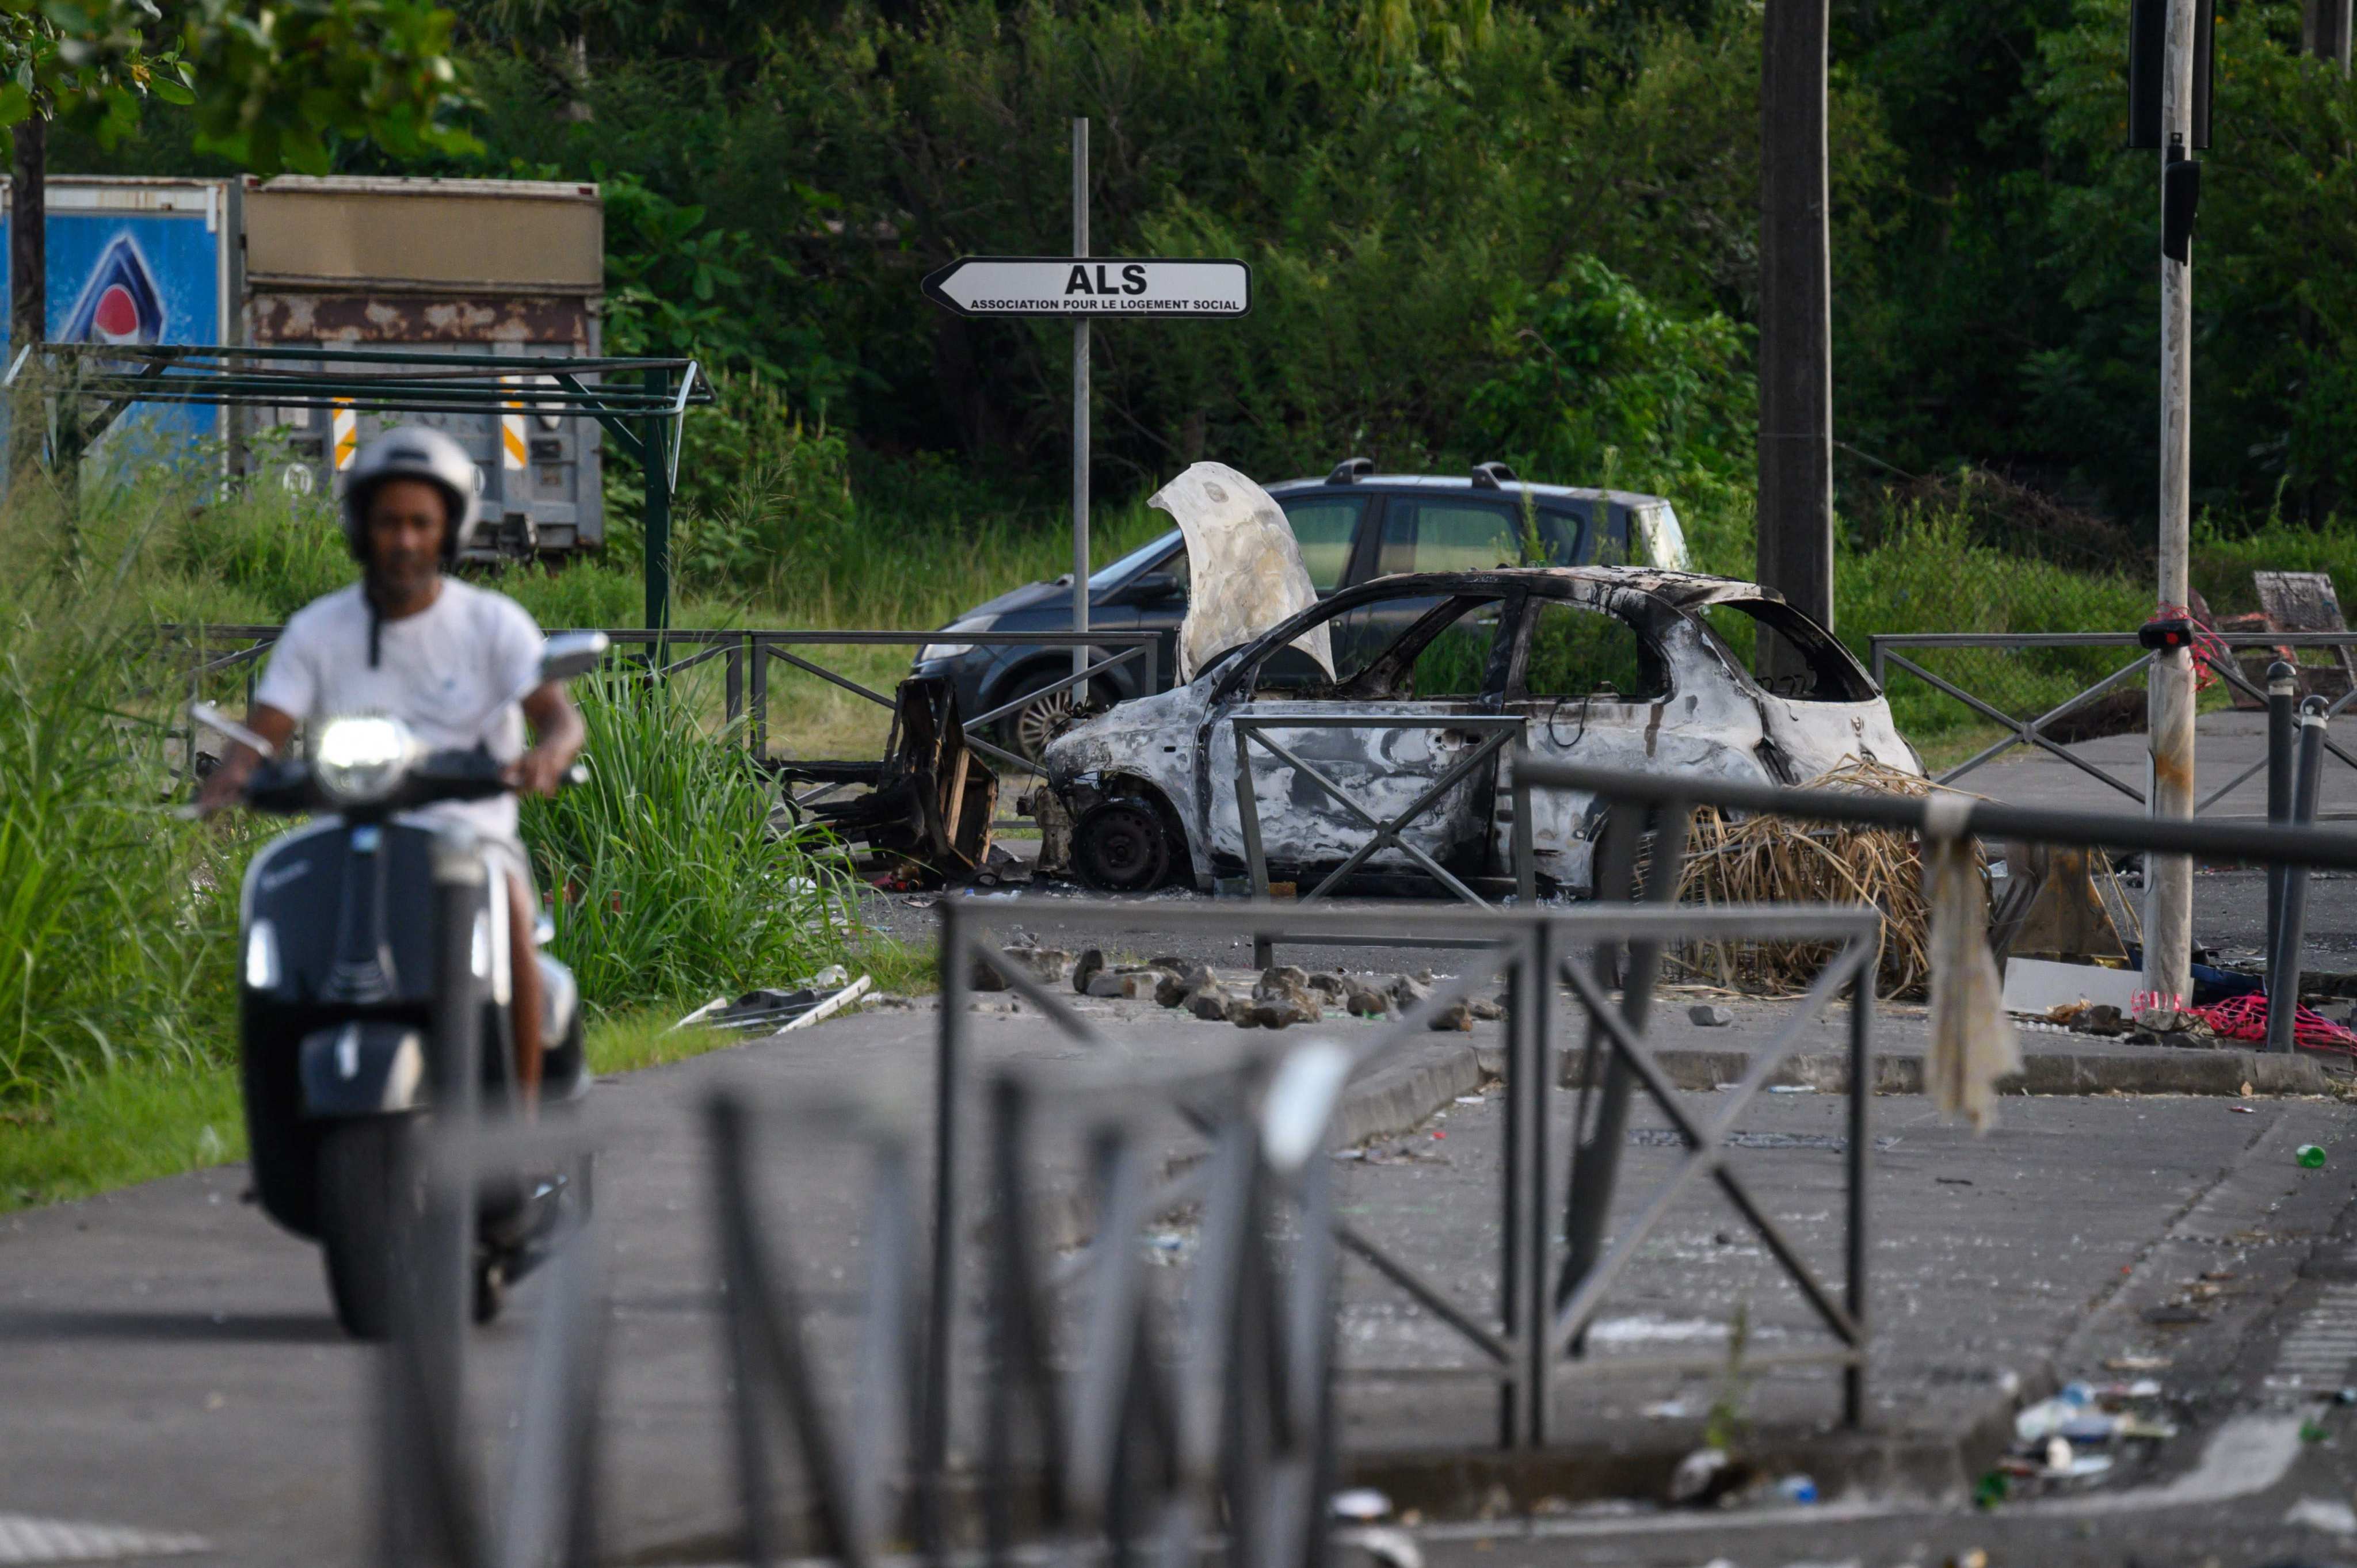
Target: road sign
{"points": [[1089, 285]]}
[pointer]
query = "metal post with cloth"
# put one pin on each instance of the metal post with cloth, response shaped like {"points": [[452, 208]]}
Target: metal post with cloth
{"points": [[1083, 289], [2168, 109]]}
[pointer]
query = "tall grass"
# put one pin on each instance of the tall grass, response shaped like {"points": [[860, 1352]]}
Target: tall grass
{"points": [[114, 917], [666, 875]]}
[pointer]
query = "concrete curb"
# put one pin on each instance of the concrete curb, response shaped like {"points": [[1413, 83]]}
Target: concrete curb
{"points": [[1907, 1463], [2161, 1072], [1399, 1097]]}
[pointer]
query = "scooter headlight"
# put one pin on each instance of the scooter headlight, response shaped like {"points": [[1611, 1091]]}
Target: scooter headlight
{"points": [[359, 760]]}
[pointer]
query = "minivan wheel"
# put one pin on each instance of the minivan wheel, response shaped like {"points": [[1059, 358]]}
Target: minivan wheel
{"points": [[1122, 846], [1027, 731]]}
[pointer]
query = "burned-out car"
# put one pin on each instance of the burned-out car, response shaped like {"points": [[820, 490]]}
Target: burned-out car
{"points": [[1609, 666]]}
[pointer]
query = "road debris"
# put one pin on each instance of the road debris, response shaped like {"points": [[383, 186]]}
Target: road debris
{"points": [[1049, 966], [926, 818], [2078, 1434], [1709, 1016], [815, 1000], [2329, 1515]]}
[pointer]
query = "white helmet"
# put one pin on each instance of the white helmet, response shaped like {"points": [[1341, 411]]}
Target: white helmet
{"points": [[413, 451]]}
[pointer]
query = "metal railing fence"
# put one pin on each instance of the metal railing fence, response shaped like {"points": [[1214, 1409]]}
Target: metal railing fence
{"points": [[1547, 1296], [1115, 1422], [1251, 730], [2031, 709], [211, 653]]}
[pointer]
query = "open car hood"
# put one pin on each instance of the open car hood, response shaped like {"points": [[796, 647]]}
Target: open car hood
{"points": [[1244, 569]]}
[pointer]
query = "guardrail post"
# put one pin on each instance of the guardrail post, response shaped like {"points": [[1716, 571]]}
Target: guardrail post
{"points": [[2283, 687], [1525, 849], [1256, 854], [2284, 963], [941, 1308], [735, 680], [1522, 1405], [1861, 1144], [759, 726], [1595, 1164]]}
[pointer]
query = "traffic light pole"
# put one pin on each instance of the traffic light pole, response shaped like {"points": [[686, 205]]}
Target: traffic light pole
{"points": [[2168, 879]]}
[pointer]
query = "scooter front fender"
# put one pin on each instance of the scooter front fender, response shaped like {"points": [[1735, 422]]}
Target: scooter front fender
{"points": [[363, 1068]]}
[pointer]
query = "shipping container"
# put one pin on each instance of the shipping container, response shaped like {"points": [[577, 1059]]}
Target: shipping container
{"points": [[139, 261], [435, 265]]}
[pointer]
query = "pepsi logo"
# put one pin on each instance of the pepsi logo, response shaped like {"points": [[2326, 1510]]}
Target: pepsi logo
{"points": [[119, 301], [116, 320]]}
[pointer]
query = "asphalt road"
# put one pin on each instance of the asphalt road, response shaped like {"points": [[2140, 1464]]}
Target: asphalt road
{"points": [[170, 1365]]}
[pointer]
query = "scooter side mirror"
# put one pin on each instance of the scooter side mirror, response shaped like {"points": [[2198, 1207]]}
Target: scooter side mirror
{"points": [[212, 718], [572, 653]]}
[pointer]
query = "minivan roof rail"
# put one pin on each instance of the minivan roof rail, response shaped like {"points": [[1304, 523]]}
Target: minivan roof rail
{"points": [[1492, 475], [1350, 470]]}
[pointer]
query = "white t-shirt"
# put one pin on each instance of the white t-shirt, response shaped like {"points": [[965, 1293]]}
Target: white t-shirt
{"points": [[441, 671]]}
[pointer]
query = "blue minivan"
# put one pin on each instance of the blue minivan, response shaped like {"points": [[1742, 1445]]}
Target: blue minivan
{"points": [[1353, 525]]}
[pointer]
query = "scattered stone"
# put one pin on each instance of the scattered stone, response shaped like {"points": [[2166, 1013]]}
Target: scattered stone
{"points": [[1408, 990], [1090, 962], [1172, 961], [1283, 998], [2329, 1515], [1710, 1015], [1488, 1009], [1209, 1003], [1240, 1012], [1047, 965], [1125, 985], [1171, 991], [1455, 1018], [1330, 988], [1364, 1001]]}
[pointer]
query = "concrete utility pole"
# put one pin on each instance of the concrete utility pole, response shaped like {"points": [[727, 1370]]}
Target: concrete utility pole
{"points": [[1796, 383], [2324, 30], [2168, 879]]}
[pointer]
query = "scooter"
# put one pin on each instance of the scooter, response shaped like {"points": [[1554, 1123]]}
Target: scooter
{"points": [[359, 1012]]}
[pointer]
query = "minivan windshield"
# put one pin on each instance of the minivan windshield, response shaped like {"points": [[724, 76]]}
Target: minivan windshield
{"points": [[1136, 561]]}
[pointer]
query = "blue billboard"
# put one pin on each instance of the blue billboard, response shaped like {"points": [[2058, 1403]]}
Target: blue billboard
{"points": [[137, 261]]}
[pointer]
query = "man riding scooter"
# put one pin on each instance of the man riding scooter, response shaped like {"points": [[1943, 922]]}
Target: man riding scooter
{"points": [[438, 654]]}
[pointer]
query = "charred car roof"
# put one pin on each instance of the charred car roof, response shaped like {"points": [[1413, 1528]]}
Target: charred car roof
{"points": [[1682, 589]]}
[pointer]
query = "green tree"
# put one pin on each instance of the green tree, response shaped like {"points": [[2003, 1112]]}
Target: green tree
{"points": [[271, 83]]}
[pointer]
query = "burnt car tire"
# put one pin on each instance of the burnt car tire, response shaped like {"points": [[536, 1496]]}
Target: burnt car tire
{"points": [[1122, 846], [1027, 731]]}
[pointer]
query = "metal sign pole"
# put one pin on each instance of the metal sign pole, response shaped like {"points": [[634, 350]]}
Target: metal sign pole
{"points": [[2168, 913], [1080, 410]]}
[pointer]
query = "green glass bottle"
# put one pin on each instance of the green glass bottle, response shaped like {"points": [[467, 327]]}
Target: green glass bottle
{"points": [[2310, 1156]]}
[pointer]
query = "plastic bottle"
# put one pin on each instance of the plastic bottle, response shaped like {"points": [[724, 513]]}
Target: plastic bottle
{"points": [[2310, 1156]]}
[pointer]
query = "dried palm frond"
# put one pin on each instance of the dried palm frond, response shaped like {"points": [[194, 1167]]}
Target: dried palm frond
{"points": [[1774, 860]]}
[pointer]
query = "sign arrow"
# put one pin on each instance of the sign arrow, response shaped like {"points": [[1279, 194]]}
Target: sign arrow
{"points": [[1091, 286]]}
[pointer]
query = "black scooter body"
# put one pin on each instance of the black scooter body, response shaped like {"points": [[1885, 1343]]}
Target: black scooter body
{"points": [[338, 949], [338, 919]]}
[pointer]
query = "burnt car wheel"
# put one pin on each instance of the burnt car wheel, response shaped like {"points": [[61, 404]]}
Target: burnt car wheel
{"points": [[1027, 731], [1122, 846]]}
